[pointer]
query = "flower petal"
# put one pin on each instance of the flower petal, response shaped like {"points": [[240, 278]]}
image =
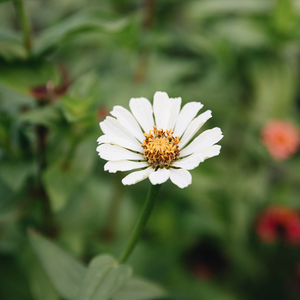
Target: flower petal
{"points": [[112, 127], [174, 112], [162, 109], [187, 114], [126, 119], [123, 142], [193, 127], [142, 111], [115, 153], [206, 138], [137, 176], [210, 151], [123, 165], [190, 162], [159, 176], [181, 177]]}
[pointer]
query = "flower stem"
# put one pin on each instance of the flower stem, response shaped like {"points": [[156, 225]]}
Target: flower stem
{"points": [[24, 22], [140, 226]]}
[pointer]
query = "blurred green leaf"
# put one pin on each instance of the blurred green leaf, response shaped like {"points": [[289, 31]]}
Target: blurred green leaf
{"points": [[84, 21], [22, 76], [38, 281], [103, 278], [46, 115], [216, 8], [15, 173], [11, 46], [60, 182], [65, 272], [139, 289]]}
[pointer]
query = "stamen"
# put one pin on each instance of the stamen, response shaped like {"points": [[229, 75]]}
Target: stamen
{"points": [[161, 147]]}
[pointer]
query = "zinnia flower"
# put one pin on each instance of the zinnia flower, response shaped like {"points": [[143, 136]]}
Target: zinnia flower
{"points": [[279, 223], [281, 138], [160, 147]]}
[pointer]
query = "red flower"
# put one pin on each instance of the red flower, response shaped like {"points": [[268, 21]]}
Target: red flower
{"points": [[281, 138], [279, 222]]}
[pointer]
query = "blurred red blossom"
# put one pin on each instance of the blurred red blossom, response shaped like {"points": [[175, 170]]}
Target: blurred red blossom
{"points": [[279, 223], [281, 138]]}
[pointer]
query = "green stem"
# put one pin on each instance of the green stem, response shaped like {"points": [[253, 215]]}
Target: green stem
{"points": [[24, 22], [140, 226]]}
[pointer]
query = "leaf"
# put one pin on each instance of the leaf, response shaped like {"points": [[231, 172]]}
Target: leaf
{"points": [[139, 289], [38, 281], [60, 182], [65, 272], [46, 115], [11, 46], [14, 173], [86, 21], [103, 279]]}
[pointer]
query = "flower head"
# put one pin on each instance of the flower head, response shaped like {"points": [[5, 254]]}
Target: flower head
{"points": [[281, 138], [279, 222], [159, 146]]}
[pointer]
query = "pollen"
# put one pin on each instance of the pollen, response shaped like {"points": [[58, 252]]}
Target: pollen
{"points": [[160, 148]]}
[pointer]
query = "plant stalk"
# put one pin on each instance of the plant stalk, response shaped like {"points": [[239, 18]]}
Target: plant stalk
{"points": [[140, 225]]}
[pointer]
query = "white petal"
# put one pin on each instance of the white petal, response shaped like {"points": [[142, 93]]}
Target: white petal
{"points": [[159, 176], [210, 151], [189, 163], [142, 111], [181, 177], [174, 112], [114, 153], [127, 120], [138, 176], [194, 126], [205, 139], [123, 165], [126, 143], [161, 109], [187, 114], [112, 127], [193, 161]]}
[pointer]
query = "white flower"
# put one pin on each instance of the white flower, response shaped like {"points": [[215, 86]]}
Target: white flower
{"points": [[160, 147]]}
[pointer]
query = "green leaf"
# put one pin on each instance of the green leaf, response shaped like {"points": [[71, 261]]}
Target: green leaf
{"points": [[139, 289], [65, 272], [11, 46], [46, 115], [86, 21], [103, 279], [14, 173], [38, 281], [60, 182]]}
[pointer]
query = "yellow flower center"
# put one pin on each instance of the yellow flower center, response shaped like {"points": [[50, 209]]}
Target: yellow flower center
{"points": [[161, 147]]}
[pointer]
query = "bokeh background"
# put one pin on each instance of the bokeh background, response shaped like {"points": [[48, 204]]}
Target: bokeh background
{"points": [[235, 232]]}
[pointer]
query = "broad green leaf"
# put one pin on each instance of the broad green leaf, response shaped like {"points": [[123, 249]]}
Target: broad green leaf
{"points": [[15, 173], [11, 46], [139, 289], [86, 21], [103, 279], [65, 272], [60, 183], [46, 115], [38, 281], [4, 1], [217, 8], [24, 75]]}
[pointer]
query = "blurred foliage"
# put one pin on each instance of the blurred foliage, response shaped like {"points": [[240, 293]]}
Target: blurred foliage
{"points": [[239, 58]]}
